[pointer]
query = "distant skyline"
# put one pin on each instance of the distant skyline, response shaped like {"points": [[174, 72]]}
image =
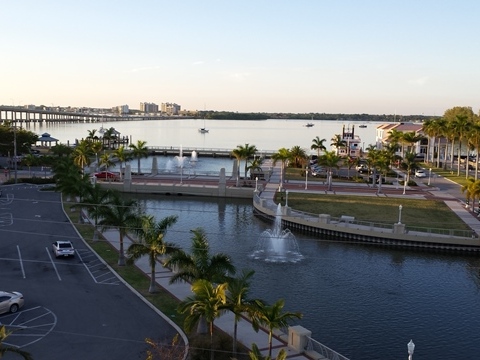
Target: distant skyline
{"points": [[347, 56]]}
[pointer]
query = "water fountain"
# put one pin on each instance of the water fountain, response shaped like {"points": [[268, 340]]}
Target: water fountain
{"points": [[181, 163], [277, 245]]}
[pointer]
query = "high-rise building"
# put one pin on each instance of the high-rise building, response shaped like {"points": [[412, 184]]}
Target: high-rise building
{"points": [[148, 107], [170, 108]]}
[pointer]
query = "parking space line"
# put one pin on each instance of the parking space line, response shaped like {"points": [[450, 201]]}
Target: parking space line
{"points": [[86, 267], [53, 263], [21, 261]]}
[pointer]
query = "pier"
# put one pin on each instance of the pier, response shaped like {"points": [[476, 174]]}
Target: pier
{"points": [[209, 152]]}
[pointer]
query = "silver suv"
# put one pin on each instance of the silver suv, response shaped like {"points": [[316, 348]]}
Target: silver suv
{"points": [[63, 248]]}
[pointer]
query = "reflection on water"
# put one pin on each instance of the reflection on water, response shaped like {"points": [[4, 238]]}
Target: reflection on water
{"points": [[363, 301]]}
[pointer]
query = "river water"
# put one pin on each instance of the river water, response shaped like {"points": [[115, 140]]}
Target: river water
{"points": [[363, 301]]}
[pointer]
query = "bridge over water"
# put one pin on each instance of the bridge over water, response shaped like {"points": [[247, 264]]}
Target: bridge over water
{"points": [[26, 115]]}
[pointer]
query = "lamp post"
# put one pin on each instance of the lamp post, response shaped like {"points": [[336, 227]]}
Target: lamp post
{"points": [[429, 175], [399, 214], [286, 198], [256, 184], [306, 178], [15, 147], [410, 347]]}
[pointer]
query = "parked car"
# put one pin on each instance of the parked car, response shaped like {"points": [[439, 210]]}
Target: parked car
{"points": [[10, 301], [63, 248], [361, 168], [420, 173], [106, 175], [318, 171]]}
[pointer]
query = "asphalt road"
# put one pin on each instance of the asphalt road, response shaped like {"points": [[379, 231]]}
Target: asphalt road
{"points": [[75, 308]]}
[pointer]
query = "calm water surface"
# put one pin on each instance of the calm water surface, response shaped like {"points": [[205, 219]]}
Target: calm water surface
{"points": [[365, 302], [225, 134]]}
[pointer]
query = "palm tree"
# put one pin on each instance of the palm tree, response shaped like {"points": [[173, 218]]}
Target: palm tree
{"points": [[255, 165], [95, 198], [238, 303], [107, 161], [318, 145], [91, 135], [139, 150], [68, 178], [272, 317], [120, 214], [208, 302], [409, 164], [243, 153], [96, 148], [200, 264], [462, 126], [330, 160], [81, 154], [152, 242], [108, 136], [255, 354], [338, 143], [122, 157], [4, 334], [298, 157], [29, 160], [395, 138], [474, 141], [282, 155]]}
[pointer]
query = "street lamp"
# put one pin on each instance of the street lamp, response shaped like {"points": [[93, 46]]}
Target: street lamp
{"points": [[399, 214], [306, 178], [429, 175], [410, 347], [286, 198]]}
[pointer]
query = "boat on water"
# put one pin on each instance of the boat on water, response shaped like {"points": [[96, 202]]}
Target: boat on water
{"points": [[203, 129], [362, 126], [309, 125]]}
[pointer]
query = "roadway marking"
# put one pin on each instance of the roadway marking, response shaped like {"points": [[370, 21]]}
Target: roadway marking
{"points": [[21, 262], [8, 200], [34, 323], [100, 273], [53, 263], [6, 219]]}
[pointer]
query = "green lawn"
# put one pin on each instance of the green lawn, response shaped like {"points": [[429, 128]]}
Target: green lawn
{"points": [[417, 213]]}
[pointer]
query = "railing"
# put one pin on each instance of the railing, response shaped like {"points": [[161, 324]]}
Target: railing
{"points": [[373, 226], [314, 346]]}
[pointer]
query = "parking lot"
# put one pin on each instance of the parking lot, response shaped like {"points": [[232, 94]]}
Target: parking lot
{"points": [[75, 307]]}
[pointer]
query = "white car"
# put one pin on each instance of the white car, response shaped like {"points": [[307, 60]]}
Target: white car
{"points": [[63, 248], [420, 173], [10, 301]]}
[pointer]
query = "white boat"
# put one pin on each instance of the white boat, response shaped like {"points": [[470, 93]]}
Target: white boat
{"points": [[203, 130]]}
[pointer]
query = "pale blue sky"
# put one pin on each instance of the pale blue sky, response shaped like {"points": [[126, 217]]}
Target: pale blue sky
{"points": [[342, 56]]}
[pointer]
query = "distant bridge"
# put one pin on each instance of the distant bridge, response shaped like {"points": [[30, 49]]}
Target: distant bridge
{"points": [[26, 115]]}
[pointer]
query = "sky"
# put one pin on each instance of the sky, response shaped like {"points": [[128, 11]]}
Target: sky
{"points": [[406, 57]]}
